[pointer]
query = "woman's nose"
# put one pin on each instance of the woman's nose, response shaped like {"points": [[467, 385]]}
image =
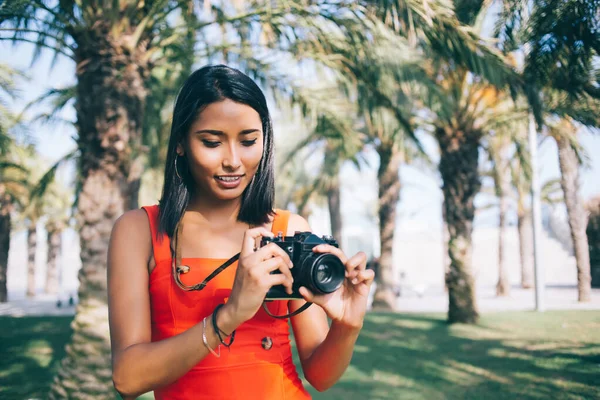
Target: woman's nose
{"points": [[231, 159]]}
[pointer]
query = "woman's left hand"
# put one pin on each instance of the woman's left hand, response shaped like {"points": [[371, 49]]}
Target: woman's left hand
{"points": [[348, 304]]}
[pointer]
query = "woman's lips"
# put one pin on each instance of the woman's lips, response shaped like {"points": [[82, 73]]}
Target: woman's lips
{"points": [[229, 181]]}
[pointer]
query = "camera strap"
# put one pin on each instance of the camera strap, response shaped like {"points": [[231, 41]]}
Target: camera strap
{"points": [[179, 269]]}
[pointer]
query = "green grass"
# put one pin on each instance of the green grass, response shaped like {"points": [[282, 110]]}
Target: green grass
{"points": [[512, 355]]}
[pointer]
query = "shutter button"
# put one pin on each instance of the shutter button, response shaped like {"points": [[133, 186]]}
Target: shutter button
{"points": [[267, 343]]}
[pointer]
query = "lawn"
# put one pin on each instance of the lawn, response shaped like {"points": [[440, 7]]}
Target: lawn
{"points": [[511, 355]]}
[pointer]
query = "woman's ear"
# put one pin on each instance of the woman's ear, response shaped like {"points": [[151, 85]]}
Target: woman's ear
{"points": [[179, 150]]}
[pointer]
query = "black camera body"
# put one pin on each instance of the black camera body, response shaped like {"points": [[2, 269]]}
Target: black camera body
{"points": [[321, 273]]}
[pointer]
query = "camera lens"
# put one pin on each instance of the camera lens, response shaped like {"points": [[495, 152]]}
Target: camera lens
{"points": [[324, 273]]}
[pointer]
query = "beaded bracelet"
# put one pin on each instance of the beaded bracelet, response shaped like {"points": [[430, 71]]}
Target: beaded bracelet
{"points": [[216, 328], [205, 341]]}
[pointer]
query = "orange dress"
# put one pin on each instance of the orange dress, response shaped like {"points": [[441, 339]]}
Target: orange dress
{"points": [[246, 371]]}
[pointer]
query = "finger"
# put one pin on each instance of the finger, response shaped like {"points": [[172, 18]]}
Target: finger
{"points": [[277, 279], [276, 263], [356, 263], [307, 294], [250, 237], [272, 250], [326, 248], [366, 276]]}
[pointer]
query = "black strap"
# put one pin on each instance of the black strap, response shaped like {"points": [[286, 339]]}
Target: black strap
{"points": [[216, 272], [298, 311]]}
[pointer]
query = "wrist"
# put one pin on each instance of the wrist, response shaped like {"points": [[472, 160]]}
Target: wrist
{"points": [[346, 328], [225, 319]]}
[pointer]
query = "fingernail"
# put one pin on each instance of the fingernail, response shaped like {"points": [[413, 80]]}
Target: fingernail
{"points": [[355, 281]]}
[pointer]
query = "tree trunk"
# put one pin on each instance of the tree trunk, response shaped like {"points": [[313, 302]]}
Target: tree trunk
{"points": [[31, 250], [54, 245], [569, 168], [458, 167], [524, 224], [503, 285], [110, 104], [445, 240], [5, 227], [593, 234], [389, 195], [335, 212]]}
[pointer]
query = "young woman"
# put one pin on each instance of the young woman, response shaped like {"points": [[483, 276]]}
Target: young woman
{"points": [[217, 201]]}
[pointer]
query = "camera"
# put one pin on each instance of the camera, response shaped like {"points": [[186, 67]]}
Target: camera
{"points": [[320, 273]]}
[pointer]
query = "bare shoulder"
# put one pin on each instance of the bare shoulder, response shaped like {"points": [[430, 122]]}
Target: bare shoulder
{"points": [[133, 221], [296, 223], [131, 231]]}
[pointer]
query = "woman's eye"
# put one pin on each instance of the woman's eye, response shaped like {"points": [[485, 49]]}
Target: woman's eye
{"points": [[248, 143], [210, 143]]}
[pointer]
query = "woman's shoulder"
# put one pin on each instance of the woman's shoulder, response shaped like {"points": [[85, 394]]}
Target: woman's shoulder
{"points": [[295, 222], [133, 221]]}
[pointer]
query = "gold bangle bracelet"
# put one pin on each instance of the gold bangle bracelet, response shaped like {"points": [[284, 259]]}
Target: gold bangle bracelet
{"points": [[205, 341]]}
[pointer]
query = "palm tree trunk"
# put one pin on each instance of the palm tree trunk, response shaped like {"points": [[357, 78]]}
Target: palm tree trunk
{"points": [[110, 103], [54, 245], [5, 227], [31, 247], [389, 195], [503, 286], [445, 240], [335, 212], [458, 167], [593, 233], [569, 168], [524, 224]]}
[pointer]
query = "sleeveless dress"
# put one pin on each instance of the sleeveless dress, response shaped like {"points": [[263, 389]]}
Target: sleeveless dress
{"points": [[250, 369]]}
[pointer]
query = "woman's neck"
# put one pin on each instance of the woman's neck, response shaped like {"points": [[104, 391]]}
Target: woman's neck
{"points": [[215, 211]]}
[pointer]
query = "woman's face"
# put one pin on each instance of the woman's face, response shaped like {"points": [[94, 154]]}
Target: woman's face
{"points": [[224, 147]]}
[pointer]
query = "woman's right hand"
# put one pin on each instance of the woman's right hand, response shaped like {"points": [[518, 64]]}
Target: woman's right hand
{"points": [[253, 277]]}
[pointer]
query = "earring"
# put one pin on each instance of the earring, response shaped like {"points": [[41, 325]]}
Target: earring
{"points": [[176, 170]]}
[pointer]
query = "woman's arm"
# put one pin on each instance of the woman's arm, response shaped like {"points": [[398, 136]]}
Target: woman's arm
{"points": [[325, 352], [139, 365]]}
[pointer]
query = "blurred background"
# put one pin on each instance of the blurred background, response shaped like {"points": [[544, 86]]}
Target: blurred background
{"points": [[403, 128]]}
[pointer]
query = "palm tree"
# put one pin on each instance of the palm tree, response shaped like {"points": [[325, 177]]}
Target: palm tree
{"points": [[562, 82], [593, 233], [569, 169], [57, 206], [380, 69], [13, 185], [498, 149], [520, 177]]}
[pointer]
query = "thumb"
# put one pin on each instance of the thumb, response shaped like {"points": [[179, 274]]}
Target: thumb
{"points": [[307, 294]]}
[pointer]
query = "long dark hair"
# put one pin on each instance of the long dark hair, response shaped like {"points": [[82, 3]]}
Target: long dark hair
{"points": [[205, 86]]}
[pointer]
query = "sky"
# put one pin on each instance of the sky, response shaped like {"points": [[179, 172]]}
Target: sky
{"points": [[420, 199]]}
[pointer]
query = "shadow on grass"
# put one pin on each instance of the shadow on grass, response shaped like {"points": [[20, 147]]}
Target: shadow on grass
{"points": [[31, 349], [421, 357], [506, 356]]}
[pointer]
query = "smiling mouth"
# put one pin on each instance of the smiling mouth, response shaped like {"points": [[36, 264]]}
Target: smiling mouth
{"points": [[229, 178]]}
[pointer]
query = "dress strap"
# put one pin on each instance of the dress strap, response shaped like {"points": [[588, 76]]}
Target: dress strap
{"points": [[161, 245], [280, 222]]}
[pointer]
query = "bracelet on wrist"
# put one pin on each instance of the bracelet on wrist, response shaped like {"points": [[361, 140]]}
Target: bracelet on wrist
{"points": [[219, 331], [205, 340]]}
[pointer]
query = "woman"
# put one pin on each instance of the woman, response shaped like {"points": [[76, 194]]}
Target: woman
{"points": [[218, 342]]}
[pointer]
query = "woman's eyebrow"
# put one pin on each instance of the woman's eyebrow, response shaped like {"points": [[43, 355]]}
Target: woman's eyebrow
{"points": [[249, 131], [221, 133]]}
